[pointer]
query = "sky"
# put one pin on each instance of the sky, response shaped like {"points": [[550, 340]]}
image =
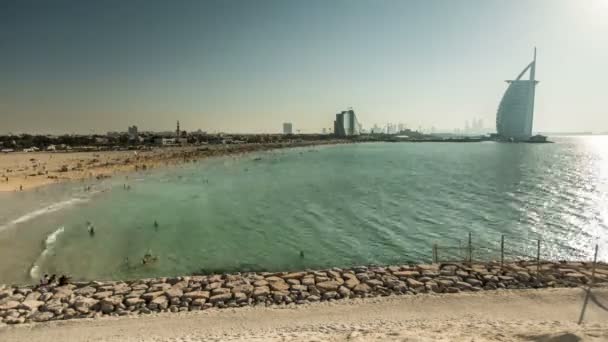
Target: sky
{"points": [[248, 66]]}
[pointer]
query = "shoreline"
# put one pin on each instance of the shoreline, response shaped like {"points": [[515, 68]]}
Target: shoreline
{"points": [[94, 299], [28, 171]]}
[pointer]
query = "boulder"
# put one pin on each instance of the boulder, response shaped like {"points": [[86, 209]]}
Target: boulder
{"points": [[259, 283], [133, 301], [244, 288], [39, 316], [220, 297], [362, 288], [219, 291], [279, 285], [344, 291], [148, 296], [11, 304], [413, 283], [330, 285], [406, 274], [174, 292], [85, 291], [351, 282], [31, 305], [194, 295], [84, 304], [295, 275], [309, 280], [261, 291], [160, 302], [374, 283], [121, 289], [102, 295], [35, 295]]}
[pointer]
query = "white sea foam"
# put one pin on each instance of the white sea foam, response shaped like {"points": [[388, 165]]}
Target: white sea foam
{"points": [[49, 209], [49, 244]]}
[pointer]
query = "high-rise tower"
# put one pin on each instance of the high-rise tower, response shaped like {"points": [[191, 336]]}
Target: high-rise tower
{"points": [[515, 116]]}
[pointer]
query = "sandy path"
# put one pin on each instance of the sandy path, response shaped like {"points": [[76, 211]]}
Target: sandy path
{"points": [[523, 315]]}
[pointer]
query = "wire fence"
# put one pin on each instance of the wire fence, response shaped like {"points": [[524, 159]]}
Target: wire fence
{"points": [[506, 249]]}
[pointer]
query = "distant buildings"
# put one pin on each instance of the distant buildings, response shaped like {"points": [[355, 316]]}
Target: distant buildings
{"points": [[132, 132], [346, 124], [287, 128], [515, 115]]}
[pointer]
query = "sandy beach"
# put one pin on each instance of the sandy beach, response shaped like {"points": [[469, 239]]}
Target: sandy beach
{"points": [[518, 315], [25, 171]]}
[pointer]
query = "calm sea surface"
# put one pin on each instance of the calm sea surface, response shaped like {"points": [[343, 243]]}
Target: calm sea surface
{"points": [[342, 205]]}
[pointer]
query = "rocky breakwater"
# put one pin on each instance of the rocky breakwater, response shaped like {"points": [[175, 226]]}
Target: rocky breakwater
{"points": [[20, 304]]}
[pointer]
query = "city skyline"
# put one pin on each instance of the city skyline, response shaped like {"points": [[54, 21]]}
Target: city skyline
{"points": [[82, 67]]}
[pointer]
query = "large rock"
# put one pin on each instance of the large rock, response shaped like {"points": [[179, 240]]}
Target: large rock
{"points": [[84, 304], [149, 296], [221, 290], [85, 291], [330, 285], [406, 274], [413, 283], [35, 295], [308, 280], [261, 291], [121, 289], [134, 301], [244, 288], [197, 295], [102, 295], [279, 285], [160, 302], [174, 292], [39, 316], [54, 305], [295, 275], [374, 283], [11, 304], [258, 283], [362, 288], [31, 305], [220, 297], [351, 282]]}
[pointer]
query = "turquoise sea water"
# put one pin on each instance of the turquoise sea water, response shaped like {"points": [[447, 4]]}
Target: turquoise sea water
{"points": [[340, 205]]}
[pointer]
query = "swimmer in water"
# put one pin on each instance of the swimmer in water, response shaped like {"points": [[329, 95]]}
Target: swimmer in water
{"points": [[90, 229]]}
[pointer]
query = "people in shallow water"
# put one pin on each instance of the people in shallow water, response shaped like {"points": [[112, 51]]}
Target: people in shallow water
{"points": [[64, 280], [301, 254], [155, 225], [90, 229], [148, 258]]}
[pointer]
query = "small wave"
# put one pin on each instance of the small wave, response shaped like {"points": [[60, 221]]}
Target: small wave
{"points": [[49, 244], [49, 209]]}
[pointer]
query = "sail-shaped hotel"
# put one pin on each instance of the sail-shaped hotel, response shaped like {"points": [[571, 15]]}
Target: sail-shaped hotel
{"points": [[515, 115]]}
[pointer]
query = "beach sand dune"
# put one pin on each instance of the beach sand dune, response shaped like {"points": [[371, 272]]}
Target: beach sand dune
{"points": [[549, 315]]}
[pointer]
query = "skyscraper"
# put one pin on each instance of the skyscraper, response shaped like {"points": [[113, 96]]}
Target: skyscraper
{"points": [[287, 128], [346, 124], [515, 115]]}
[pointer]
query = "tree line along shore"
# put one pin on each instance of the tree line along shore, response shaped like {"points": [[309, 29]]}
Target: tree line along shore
{"points": [[22, 304]]}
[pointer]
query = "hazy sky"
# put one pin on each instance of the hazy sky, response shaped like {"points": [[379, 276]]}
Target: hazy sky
{"points": [[248, 66]]}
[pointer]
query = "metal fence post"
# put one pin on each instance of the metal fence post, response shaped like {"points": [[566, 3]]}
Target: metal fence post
{"points": [[502, 250], [470, 249], [538, 258], [593, 267]]}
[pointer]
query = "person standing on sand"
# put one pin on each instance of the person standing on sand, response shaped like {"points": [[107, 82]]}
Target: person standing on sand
{"points": [[20, 187]]}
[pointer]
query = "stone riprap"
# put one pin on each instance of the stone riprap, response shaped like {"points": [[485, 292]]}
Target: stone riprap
{"points": [[20, 304]]}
